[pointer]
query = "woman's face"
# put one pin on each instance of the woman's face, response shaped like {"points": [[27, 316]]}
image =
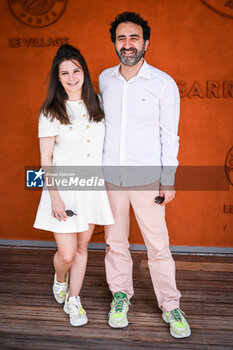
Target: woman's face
{"points": [[71, 77]]}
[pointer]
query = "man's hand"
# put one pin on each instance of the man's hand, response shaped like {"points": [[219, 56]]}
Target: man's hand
{"points": [[168, 192]]}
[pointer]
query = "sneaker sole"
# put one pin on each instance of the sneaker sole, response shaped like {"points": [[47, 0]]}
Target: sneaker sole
{"points": [[184, 335], [78, 324], [123, 325], [58, 301], [81, 322], [65, 309]]}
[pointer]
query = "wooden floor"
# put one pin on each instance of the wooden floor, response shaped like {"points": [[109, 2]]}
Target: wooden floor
{"points": [[31, 319]]}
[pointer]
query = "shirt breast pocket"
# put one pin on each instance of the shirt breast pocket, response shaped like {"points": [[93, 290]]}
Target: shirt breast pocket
{"points": [[150, 108], [150, 100]]}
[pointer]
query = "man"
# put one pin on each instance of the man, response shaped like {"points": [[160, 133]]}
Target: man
{"points": [[141, 105]]}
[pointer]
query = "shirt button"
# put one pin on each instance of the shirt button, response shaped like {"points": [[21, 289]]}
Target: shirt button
{"points": [[70, 128], [88, 155], [87, 126], [88, 141], [80, 103], [84, 115]]}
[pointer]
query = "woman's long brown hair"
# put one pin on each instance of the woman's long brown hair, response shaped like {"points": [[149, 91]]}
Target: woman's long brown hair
{"points": [[54, 104]]}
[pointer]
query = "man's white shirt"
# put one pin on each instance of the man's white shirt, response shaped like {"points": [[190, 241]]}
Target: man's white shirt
{"points": [[142, 117]]}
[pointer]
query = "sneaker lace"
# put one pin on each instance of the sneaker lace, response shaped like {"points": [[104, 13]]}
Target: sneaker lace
{"points": [[59, 288], [76, 304], [177, 315], [120, 304]]}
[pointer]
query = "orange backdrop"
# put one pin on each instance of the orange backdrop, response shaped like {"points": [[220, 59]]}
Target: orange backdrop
{"points": [[190, 41]]}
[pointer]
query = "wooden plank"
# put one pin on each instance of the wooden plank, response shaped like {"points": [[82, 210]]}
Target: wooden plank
{"points": [[31, 319]]}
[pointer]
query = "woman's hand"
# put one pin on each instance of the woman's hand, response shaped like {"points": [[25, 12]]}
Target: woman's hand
{"points": [[58, 208], [46, 151]]}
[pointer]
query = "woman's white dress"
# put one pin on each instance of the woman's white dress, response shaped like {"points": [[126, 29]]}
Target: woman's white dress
{"points": [[76, 144]]}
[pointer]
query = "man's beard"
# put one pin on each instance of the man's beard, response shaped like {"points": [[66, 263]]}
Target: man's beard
{"points": [[131, 60]]}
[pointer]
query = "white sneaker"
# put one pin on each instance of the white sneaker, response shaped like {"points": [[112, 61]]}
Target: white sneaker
{"points": [[60, 289], [118, 313], [179, 327], [73, 307]]}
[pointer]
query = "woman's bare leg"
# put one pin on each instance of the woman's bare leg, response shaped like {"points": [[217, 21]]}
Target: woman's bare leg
{"points": [[65, 255], [78, 268]]}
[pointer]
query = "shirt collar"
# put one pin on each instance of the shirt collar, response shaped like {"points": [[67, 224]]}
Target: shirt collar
{"points": [[116, 71], [144, 71]]}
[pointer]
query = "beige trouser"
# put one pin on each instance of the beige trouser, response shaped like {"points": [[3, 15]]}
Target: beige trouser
{"points": [[118, 262]]}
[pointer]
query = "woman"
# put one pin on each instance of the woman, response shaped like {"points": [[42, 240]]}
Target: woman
{"points": [[71, 132]]}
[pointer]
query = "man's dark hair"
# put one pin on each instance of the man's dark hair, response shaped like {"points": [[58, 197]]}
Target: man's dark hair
{"points": [[129, 17]]}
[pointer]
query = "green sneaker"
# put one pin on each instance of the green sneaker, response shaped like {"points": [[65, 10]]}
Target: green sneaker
{"points": [[118, 313], [179, 327]]}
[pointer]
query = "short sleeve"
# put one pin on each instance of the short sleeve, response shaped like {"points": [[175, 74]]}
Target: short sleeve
{"points": [[47, 127]]}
